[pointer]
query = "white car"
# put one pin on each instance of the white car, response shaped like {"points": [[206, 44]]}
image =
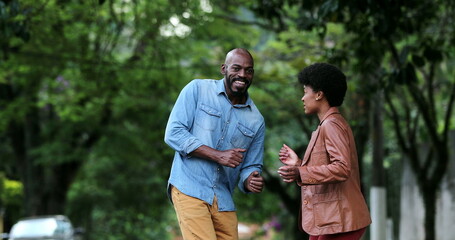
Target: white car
{"points": [[55, 227]]}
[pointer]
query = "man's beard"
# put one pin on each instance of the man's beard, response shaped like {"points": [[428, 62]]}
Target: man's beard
{"points": [[238, 93]]}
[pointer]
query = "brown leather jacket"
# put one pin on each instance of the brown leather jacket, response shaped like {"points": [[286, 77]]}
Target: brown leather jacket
{"points": [[332, 201]]}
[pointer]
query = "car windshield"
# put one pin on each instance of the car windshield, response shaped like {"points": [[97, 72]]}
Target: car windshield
{"points": [[34, 228]]}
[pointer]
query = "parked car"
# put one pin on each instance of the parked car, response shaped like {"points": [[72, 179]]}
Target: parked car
{"points": [[54, 227]]}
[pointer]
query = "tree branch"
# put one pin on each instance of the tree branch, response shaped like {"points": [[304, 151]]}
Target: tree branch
{"points": [[449, 114]]}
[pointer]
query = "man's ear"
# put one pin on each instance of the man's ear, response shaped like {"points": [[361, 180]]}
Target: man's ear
{"points": [[223, 68], [320, 94]]}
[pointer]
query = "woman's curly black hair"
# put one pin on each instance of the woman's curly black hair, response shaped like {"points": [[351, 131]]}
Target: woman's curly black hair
{"points": [[326, 78]]}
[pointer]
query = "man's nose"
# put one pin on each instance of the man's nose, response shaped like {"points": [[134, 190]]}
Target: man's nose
{"points": [[241, 73]]}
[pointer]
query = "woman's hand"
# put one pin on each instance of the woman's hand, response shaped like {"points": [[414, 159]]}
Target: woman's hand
{"points": [[289, 173], [288, 156]]}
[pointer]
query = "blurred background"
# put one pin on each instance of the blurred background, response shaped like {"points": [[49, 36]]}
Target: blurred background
{"points": [[86, 88]]}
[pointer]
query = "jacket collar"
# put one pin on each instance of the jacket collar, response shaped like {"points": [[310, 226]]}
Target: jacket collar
{"points": [[332, 110]]}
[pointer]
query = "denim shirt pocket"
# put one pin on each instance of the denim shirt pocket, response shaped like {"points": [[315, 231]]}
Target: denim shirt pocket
{"points": [[207, 117], [242, 136]]}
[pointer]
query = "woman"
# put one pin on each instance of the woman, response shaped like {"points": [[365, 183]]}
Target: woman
{"points": [[332, 205]]}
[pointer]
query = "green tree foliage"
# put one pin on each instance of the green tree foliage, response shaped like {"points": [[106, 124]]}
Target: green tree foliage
{"points": [[86, 88], [85, 96], [402, 47], [11, 198]]}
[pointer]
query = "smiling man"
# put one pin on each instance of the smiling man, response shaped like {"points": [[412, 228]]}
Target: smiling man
{"points": [[238, 71], [217, 133]]}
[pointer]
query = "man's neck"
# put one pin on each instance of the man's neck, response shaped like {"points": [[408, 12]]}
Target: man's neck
{"points": [[237, 99]]}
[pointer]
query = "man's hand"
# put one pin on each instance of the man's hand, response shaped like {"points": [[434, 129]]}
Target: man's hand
{"points": [[231, 157], [254, 183]]}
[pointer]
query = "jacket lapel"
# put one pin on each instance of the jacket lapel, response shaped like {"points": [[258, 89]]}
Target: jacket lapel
{"points": [[309, 149], [315, 135]]}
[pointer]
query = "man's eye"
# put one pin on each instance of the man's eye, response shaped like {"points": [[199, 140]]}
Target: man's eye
{"points": [[236, 69], [250, 71]]}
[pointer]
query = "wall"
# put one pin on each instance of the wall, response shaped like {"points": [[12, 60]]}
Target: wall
{"points": [[412, 209]]}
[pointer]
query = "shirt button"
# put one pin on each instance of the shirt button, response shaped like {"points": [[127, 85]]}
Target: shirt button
{"points": [[305, 202]]}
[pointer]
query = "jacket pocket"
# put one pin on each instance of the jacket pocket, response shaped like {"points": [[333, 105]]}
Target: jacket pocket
{"points": [[242, 137], [319, 157], [207, 117], [327, 210]]}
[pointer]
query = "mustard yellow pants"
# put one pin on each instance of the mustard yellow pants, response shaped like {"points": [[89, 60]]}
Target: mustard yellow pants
{"points": [[200, 220]]}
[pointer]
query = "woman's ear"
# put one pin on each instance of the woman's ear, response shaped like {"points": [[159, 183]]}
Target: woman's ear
{"points": [[319, 95]]}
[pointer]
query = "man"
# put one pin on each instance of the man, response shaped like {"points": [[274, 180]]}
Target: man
{"points": [[218, 135]]}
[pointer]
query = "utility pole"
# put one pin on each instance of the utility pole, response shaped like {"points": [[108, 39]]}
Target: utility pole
{"points": [[378, 194]]}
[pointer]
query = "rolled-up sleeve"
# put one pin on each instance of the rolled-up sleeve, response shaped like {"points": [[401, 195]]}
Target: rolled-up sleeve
{"points": [[177, 134], [254, 158]]}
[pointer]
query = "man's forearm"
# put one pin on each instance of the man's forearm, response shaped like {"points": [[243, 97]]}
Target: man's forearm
{"points": [[205, 152]]}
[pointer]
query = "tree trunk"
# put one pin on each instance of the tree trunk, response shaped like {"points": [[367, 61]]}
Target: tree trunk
{"points": [[429, 201], [45, 186]]}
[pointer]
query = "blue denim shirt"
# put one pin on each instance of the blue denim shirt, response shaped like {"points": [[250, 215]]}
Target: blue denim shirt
{"points": [[203, 115]]}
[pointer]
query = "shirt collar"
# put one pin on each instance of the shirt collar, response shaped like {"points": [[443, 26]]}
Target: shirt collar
{"points": [[222, 90]]}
